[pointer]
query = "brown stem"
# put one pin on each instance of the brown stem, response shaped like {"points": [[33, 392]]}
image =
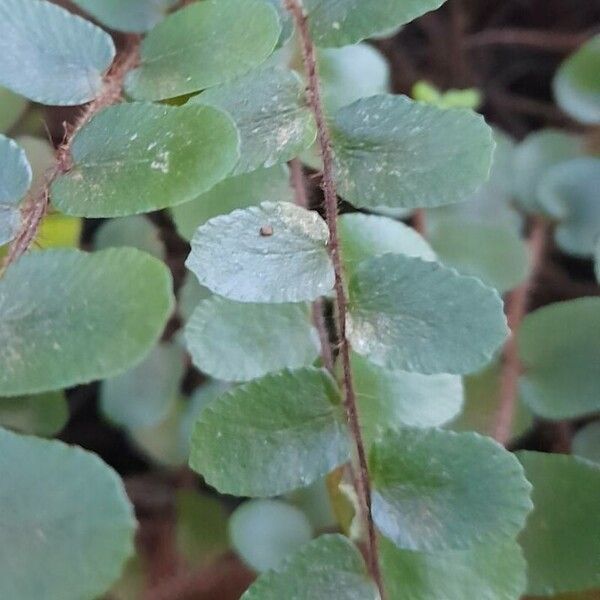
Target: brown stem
{"points": [[298, 183], [318, 315], [318, 307], [553, 41], [419, 222], [517, 309], [35, 209], [361, 472]]}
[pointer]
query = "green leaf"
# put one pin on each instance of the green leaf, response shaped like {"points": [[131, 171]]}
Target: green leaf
{"points": [[59, 231], [134, 158], [560, 355], [43, 415], [40, 154], [143, 396], [391, 151], [392, 398], [365, 236], [162, 442], [203, 396], [201, 530], [482, 402], [265, 532], [270, 111], [315, 503], [15, 173], [350, 73], [273, 253], [562, 538], [168, 442], [586, 442], [137, 16], [12, 107], [15, 179], [131, 232], [203, 45], [350, 21], [597, 260], [242, 191], [286, 20], [534, 156], [492, 572], [66, 523], [65, 56], [437, 490], [328, 567], [496, 255], [576, 84], [272, 435], [492, 203], [67, 317], [236, 341], [413, 315], [569, 191], [190, 295]]}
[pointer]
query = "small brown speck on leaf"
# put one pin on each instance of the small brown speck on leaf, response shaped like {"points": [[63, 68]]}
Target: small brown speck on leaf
{"points": [[266, 231]]}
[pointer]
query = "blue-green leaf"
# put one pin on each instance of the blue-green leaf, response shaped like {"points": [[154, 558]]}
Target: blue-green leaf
{"points": [[241, 191], [569, 192], [139, 157], [329, 567], [495, 254], [135, 231], [413, 315], [50, 55], [586, 442], [558, 346], [395, 398], [65, 521], [534, 156], [391, 151], [15, 179], [597, 260], [203, 45], [436, 490], [265, 532], [236, 341], [492, 203], [270, 111], [349, 21], [350, 73], [562, 538], [482, 402], [273, 253], [143, 396], [137, 16], [491, 572], [577, 86], [67, 317], [365, 236], [286, 20], [272, 435]]}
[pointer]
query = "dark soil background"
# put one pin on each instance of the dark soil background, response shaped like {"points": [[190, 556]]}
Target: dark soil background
{"points": [[510, 50]]}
